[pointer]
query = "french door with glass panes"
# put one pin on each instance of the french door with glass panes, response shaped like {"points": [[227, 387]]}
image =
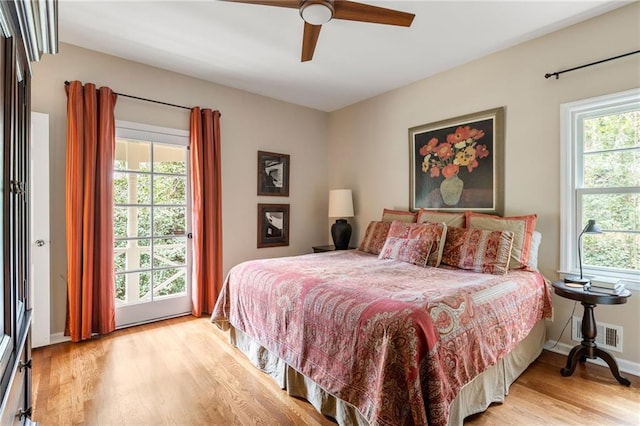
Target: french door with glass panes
{"points": [[152, 252]]}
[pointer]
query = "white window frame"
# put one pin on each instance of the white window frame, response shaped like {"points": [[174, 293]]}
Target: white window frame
{"points": [[570, 207], [132, 314]]}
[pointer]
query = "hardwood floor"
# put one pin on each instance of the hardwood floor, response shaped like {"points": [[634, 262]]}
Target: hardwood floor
{"points": [[183, 371]]}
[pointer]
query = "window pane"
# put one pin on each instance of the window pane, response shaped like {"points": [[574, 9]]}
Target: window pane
{"points": [[612, 169], [132, 155], [131, 222], [612, 250], [620, 130], [144, 287], [169, 190], [169, 159], [120, 260], [169, 281], [170, 252], [133, 287], [120, 288], [131, 188], [613, 211], [133, 257], [169, 221]]}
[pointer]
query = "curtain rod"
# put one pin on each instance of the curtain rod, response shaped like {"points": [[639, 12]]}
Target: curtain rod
{"points": [[66, 83], [557, 73]]}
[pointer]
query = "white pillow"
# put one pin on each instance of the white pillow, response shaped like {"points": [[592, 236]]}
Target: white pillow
{"points": [[536, 239]]}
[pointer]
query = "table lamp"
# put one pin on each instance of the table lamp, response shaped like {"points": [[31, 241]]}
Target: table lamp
{"points": [[341, 206], [590, 228]]}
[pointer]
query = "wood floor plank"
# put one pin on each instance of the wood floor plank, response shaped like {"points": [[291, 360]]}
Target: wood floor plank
{"points": [[183, 371]]}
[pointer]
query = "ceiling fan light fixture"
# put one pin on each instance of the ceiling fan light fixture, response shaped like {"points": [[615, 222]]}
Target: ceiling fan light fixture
{"points": [[316, 12]]}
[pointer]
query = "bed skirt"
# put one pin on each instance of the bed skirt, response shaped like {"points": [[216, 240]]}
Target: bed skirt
{"points": [[490, 386]]}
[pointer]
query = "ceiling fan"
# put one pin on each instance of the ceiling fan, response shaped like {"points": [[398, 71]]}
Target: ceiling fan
{"points": [[318, 12]]}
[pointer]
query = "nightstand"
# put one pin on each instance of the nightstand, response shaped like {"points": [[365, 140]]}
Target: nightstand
{"points": [[588, 348], [322, 249]]}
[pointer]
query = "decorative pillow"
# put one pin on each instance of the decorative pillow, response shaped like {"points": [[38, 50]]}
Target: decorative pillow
{"points": [[374, 237], [400, 215], [478, 250], [451, 219], [414, 251], [536, 240], [521, 226], [435, 232]]}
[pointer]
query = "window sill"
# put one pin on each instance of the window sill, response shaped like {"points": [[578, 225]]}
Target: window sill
{"points": [[630, 282]]}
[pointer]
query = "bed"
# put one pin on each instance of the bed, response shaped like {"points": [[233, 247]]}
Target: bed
{"points": [[383, 341]]}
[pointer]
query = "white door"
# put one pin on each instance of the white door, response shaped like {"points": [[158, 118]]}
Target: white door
{"points": [[151, 223], [40, 238]]}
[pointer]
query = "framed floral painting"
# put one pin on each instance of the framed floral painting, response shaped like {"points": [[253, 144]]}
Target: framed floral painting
{"points": [[458, 164]]}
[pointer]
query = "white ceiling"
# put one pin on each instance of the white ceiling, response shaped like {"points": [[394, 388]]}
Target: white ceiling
{"points": [[257, 48]]}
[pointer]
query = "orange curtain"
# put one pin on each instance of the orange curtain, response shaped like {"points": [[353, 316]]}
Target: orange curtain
{"points": [[206, 209], [89, 205]]}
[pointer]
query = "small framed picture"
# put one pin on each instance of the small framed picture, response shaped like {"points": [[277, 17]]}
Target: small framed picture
{"points": [[273, 225], [273, 174]]}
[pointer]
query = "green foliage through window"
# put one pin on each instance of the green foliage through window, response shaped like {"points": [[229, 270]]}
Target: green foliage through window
{"points": [[610, 190], [150, 197]]}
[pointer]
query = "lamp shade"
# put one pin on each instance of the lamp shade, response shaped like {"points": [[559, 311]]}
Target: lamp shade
{"points": [[591, 228], [340, 203]]}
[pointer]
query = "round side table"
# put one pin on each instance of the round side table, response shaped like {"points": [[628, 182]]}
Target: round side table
{"points": [[588, 348]]}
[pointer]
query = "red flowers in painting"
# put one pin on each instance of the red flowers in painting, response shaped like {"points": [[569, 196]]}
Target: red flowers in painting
{"points": [[449, 170], [430, 147], [461, 149]]}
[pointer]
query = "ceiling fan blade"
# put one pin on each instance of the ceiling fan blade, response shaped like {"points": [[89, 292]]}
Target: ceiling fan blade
{"points": [[293, 4], [309, 40], [352, 11]]}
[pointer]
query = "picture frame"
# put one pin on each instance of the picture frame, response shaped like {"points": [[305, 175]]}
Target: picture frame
{"points": [[458, 164], [273, 225], [273, 174]]}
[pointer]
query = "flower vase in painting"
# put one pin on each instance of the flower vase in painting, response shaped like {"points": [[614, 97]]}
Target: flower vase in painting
{"points": [[451, 190]]}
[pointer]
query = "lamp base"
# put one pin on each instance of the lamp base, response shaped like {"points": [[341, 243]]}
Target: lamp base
{"points": [[341, 234], [574, 279]]}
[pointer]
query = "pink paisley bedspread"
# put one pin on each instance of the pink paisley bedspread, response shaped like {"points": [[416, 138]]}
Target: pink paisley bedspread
{"points": [[395, 340]]}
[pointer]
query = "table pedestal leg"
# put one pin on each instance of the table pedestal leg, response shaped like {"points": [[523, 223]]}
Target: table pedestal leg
{"points": [[613, 366], [588, 348]]}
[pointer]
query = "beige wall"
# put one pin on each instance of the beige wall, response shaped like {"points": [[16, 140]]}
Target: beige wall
{"points": [[369, 148], [249, 123]]}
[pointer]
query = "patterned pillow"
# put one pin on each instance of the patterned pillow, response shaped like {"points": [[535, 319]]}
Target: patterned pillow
{"points": [[451, 219], [400, 215], [435, 232], [521, 226], [414, 251], [374, 237], [478, 250]]}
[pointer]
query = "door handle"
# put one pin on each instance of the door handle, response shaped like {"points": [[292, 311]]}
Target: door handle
{"points": [[39, 243], [24, 365]]}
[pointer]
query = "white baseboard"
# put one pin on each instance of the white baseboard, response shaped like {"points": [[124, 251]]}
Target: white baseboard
{"points": [[58, 338], [623, 365]]}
